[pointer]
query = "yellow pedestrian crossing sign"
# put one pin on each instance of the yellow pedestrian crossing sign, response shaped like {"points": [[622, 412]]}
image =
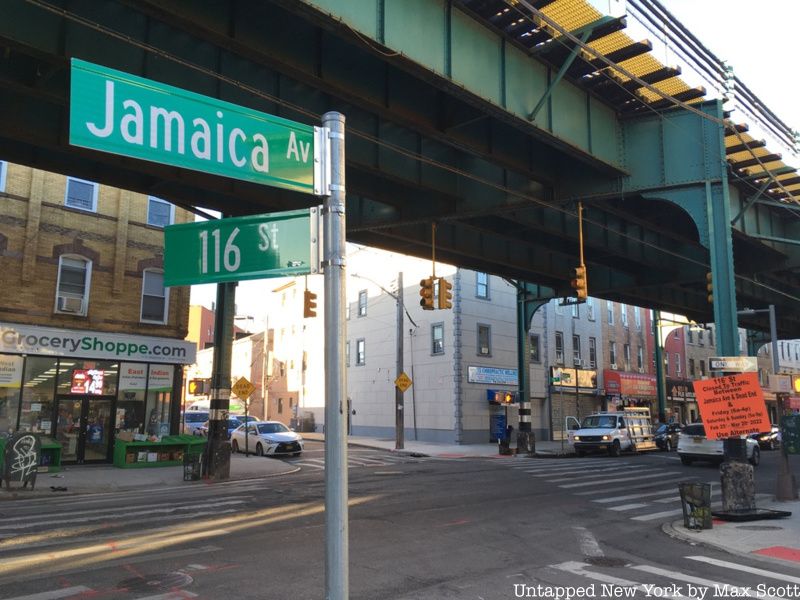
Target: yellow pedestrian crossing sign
{"points": [[243, 388], [403, 382]]}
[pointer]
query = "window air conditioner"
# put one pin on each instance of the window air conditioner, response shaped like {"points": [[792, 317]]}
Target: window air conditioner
{"points": [[641, 369], [70, 305], [614, 366]]}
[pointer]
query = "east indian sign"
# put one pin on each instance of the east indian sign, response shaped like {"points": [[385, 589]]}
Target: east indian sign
{"points": [[119, 113], [731, 406], [281, 244]]}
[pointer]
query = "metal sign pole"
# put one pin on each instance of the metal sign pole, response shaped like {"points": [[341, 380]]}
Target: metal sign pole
{"points": [[336, 525]]}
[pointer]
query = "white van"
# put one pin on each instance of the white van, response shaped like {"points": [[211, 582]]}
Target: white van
{"points": [[614, 432]]}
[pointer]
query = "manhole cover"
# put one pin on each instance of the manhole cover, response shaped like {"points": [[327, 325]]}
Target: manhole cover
{"points": [[155, 581], [759, 527], [606, 561]]}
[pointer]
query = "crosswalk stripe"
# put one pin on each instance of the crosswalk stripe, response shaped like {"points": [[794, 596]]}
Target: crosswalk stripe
{"points": [[624, 507], [658, 515], [577, 568], [179, 595], [578, 471], [55, 594], [710, 583], [633, 496], [596, 475], [645, 484], [737, 567], [616, 480]]}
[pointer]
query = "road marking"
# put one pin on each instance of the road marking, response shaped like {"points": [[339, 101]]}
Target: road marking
{"points": [[646, 484], [658, 515], [581, 470], [588, 542], [598, 474], [710, 583], [617, 480], [627, 506], [633, 496], [737, 567], [55, 594], [170, 596]]}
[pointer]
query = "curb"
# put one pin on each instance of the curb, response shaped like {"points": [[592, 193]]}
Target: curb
{"points": [[675, 533]]}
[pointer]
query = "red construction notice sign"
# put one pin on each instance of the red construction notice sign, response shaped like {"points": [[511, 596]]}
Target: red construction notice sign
{"points": [[732, 406]]}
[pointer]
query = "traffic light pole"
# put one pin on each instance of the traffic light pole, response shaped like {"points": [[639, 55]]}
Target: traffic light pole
{"points": [[218, 450], [399, 412]]}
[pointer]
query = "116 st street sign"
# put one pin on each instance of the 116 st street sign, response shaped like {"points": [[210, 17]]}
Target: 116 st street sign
{"points": [[254, 247], [116, 112]]}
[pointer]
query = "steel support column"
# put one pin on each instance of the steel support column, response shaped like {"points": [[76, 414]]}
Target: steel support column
{"points": [[722, 272]]}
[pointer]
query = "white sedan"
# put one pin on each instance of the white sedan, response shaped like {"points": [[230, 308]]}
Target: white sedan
{"points": [[266, 438]]}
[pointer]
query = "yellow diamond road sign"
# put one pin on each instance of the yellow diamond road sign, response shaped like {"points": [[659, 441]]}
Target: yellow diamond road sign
{"points": [[243, 388], [403, 382]]}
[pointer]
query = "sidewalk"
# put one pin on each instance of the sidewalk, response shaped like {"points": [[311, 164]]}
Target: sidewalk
{"points": [[440, 450], [772, 540], [88, 479]]}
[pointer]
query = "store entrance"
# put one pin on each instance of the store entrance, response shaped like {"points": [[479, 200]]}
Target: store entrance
{"points": [[84, 429]]}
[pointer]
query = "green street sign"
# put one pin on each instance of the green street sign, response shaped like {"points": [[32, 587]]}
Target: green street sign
{"points": [[123, 114], [280, 244]]}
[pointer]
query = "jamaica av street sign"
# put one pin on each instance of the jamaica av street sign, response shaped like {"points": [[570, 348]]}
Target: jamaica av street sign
{"points": [[115, 112]]}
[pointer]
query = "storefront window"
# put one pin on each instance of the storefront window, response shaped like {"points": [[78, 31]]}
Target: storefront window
{"points": [[131, 396], [159, 395], [87, 377], [37, 394], [10, 379]]}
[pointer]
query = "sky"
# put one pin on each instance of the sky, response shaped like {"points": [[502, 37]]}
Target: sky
{"points": [[755, 37]]}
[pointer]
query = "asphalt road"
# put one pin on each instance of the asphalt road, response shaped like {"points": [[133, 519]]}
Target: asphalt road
{"points": [[420, 528]]}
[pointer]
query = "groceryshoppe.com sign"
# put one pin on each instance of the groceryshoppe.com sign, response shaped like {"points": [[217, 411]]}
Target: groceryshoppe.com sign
{"points": [[30, 339]]}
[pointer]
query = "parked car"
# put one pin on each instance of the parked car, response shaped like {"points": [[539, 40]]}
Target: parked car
{"points": [[666, 436], [193, 419], [694, 445], [233, 423], [267, 438], [769, 440]]}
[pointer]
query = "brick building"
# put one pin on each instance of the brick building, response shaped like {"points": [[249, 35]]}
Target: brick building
{"points": [[91, 342]]}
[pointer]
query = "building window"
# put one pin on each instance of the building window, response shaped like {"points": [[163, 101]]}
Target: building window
{"points": [[612, 354], [280, 406], [361, 354], [590, 309], [362, 303], [691, 367], [626, 355], [700, 338], [482, 285], [640, 358], [677, 364], [576, 350], [160, 213], [702, 368], [610, 313], [347, 353], [155, 297], [559, 348], [592, 353], [711, 337], [535, 348], [3, 169], [623, 315], [81, 194], [74, 278], [690, 336], [637, 317], [437, 338], [575, 313], [484, 340], [666, 364]]}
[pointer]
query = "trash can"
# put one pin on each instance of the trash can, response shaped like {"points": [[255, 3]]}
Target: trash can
{"points": [[696, 504], [192, 466]]}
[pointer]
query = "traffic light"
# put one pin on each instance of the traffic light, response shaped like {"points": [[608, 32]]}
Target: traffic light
{"points": [[426, 291], [579, 283], [710, 287], [309, 304], [444, 293]]}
